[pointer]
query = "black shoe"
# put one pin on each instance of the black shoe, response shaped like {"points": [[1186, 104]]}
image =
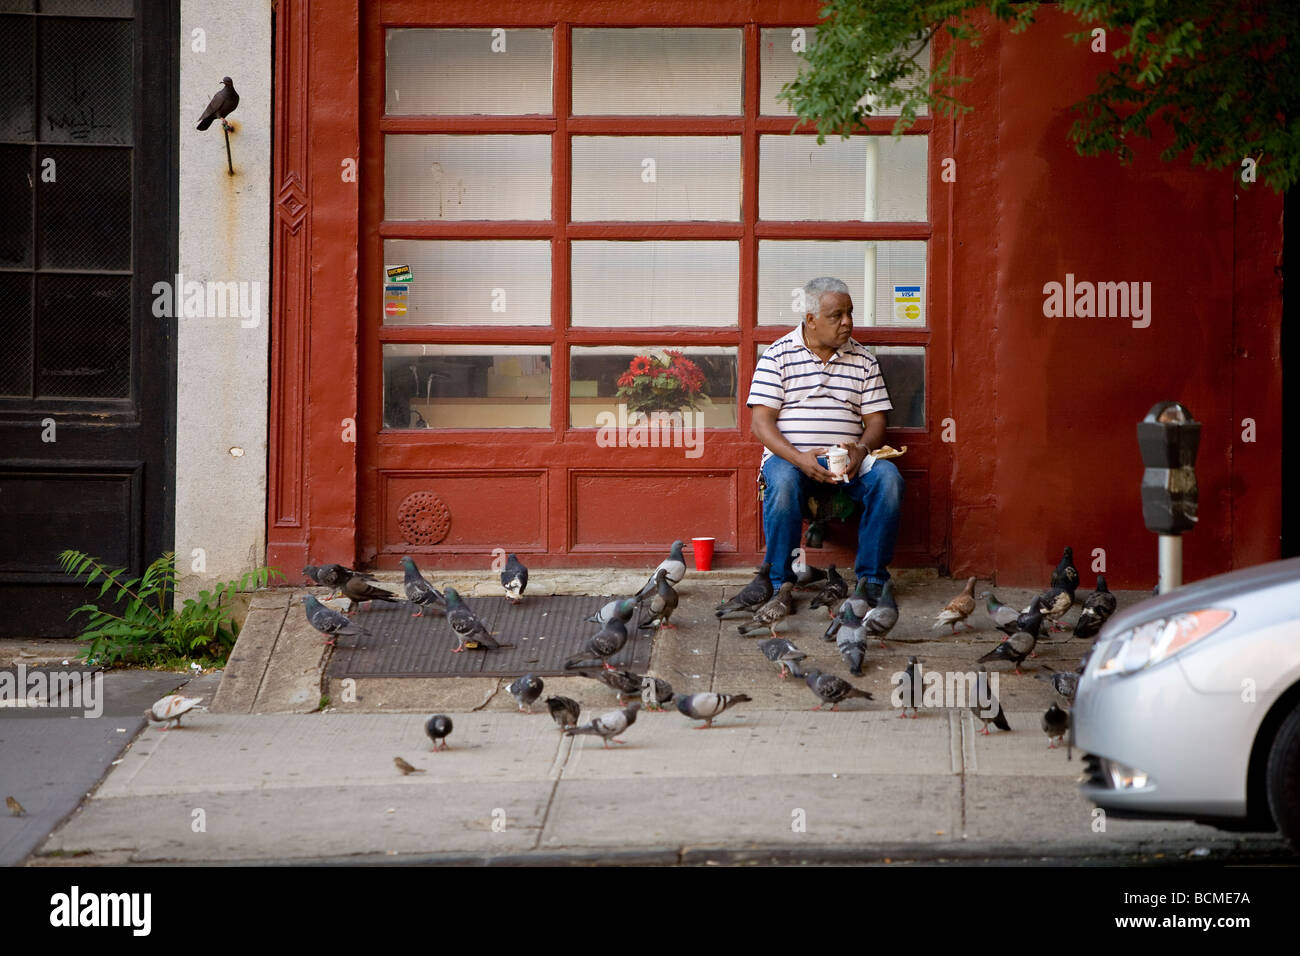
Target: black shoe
{"points": [[874, 591]]}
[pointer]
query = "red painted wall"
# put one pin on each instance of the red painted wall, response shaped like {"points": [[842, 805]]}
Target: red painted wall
{"points": [[1046, 451]]}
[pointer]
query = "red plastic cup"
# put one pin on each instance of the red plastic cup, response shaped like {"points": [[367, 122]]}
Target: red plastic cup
{"points": [[703, 548]]}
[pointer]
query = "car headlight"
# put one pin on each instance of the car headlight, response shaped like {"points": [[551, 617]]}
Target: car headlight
{"points": [[1148, 644]]}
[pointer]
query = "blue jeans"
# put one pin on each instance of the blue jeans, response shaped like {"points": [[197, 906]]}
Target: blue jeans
{"points": [[879, 491]]}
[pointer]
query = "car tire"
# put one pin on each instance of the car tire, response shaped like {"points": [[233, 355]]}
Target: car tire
{"points": [[1283, 777]]}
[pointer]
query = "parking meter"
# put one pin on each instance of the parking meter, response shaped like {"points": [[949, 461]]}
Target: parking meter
{"points": [[1168, 438]]}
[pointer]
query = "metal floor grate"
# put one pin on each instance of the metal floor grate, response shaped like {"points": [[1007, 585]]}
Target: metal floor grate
{"points": [[545, 632]]}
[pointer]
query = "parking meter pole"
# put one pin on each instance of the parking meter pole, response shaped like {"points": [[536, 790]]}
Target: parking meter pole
{"points": [[1171, 562]]}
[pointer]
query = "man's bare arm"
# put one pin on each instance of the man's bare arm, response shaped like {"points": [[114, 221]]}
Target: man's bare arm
{"points": [[762, 425]]}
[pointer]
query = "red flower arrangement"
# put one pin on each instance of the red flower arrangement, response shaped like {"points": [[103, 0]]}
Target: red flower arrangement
{"points": [[662, 381]]}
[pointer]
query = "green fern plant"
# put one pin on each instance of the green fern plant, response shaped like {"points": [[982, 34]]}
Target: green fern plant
{"points": [[140, 624]]}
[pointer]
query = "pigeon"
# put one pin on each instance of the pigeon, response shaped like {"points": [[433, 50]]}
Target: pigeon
{"points": [[851, 639], [471, 633], [662, 603], [783, 654], [753, 596], [1004, 615], [608, 641], [1030, 621], [15, 808], [221, 105], [329, 621], [984, 692], [832, 689], [809, 578], [911, 689], [860, 607], [334, 576], [608, 610], [514, 579], [707, 706], [172, 708], [1064, 682], [958, 609], [880, 620], [564, 711], [438, 727], [607, 725], [656, 692], [832, 591], [357, 589], [624, 683], [1055, 602], [772, 613], [404, 768], [1014, 649], [674, 564], [1055, 723], [1096, 610], [1066, 575], [420, 592], [525, 691]]}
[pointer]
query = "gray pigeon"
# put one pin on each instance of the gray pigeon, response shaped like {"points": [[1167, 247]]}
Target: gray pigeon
{"points": [[1096, 610], [438, 727], [606, 726], [809, 578], [984, 692], [606, 642], [564, 711], [334, 576], [514, 579], [662, 603], [833, 591], [851, 639], [525, 691], [772, 613], [656, 692], [753, 596], [831, 689], [329, 621], [1055, 723], [880, 620], [674, 564], [910, 687], [706, 706], [624, 683], [1014, 649], [1065, 683], [471, 633], [1004, 615], [861, 606], [221, 105], [783, 654], [357, 589], [420, 592], [607, 611]]}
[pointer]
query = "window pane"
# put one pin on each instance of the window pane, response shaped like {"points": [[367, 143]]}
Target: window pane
{"points": [[893, 271], [467, 386], [691, 177], [654, 72], [468, 71], [83, 349], [594, 374], [468, 282], [86, 81], [16, 187], [16, 330], [780, 62], [903, 368], [18, 102], [868, 178], [625, 284], [467, 177], [85, 211]]}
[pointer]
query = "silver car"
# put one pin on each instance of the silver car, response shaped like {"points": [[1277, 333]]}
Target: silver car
{"points": [[1189, 706]]}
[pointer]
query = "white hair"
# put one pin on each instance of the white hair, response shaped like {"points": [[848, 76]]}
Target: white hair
{"points": [[815, 289]]}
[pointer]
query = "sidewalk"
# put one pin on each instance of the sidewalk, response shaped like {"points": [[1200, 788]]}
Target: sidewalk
{"points": [[260, 778]]}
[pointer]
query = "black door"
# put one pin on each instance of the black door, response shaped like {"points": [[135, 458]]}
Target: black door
{"points": [[88, 185]]}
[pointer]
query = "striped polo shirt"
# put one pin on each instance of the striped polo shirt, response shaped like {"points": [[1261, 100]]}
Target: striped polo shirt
{"points": [[820, 404]]}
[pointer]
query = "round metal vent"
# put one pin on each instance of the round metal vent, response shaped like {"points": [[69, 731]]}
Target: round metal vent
{"points": [[423, 518]]}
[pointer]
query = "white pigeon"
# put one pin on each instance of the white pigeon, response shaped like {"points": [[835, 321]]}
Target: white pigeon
{"points": [[172, 707], [674, 564]]}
